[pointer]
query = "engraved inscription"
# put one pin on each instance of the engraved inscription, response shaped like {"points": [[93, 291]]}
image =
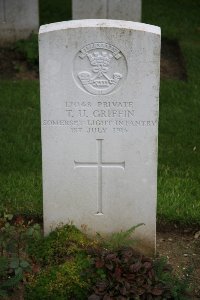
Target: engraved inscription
{"points": [[3, 11], [99, 165], [101, 117], [99, 68]]}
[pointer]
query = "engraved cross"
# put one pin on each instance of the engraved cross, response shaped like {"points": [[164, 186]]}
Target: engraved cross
{"points": [[99, 165]]}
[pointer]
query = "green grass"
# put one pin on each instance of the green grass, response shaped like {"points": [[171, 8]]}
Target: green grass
{"points": [[179, 134], [179, 159], [177, 18], [20, 154], [179, 139]]}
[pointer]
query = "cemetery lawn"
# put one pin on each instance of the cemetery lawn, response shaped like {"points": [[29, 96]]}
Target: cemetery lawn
{"points": [[179, 142], [20, 149], [179, 147]]}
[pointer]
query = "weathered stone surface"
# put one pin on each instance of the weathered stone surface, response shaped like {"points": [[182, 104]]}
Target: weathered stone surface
{"points": [[18, 19], [129, 10], [99, 112], [89, 9]]}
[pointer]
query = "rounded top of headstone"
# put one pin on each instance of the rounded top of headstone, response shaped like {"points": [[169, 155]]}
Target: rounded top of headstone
{"points": [[100, 23]]}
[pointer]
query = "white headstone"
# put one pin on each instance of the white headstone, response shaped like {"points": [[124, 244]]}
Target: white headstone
{"points": [[130, 10], [89, 9], [99, 112], [18, 19]]}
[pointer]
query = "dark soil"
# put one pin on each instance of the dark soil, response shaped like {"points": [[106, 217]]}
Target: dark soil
{"points": [[13, 64], [172, 62], [182, 249]]}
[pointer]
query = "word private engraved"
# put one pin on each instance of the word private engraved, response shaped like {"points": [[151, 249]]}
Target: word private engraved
{"points": [[100, 68]]}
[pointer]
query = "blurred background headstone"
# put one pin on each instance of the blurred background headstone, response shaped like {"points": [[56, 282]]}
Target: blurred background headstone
{"points": [[18, 19], [129, 10]]}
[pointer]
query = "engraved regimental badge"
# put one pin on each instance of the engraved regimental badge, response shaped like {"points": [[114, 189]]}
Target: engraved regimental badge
{"points": [[99, 68]]}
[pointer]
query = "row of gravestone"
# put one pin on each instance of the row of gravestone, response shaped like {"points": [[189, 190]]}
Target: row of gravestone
{"points": [[18, 19], [99, 82]]}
